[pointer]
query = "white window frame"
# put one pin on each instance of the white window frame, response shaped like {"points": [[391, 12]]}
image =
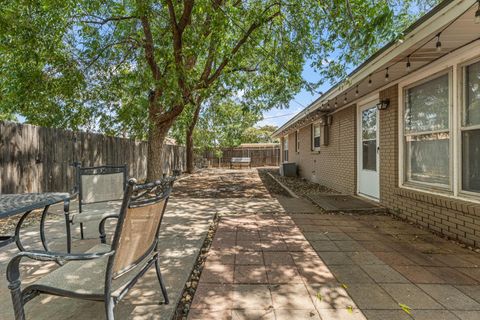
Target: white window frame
{"points": [[285, 148], [463, 56], [461, 127], [429, 78], [319, 125]]}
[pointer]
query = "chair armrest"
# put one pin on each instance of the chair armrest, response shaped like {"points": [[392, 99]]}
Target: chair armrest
{"points": [[101, 226], [13, 267]]}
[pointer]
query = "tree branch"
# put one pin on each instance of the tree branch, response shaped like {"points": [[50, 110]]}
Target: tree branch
{"points": [[186, 15], [149, 48], [110, 19], [237, 47]]}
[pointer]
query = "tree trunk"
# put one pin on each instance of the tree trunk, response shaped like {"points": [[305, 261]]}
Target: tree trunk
{"points": [[156, 138], [189, 135], [190, 155]]}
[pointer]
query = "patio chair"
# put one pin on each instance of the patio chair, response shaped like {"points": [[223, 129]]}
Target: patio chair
{"points": [[104, 273], [96, 185]]}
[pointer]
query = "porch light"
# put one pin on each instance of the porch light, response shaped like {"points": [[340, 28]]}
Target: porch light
{"points": [[383, 104], [409, 65], [477, 14], [438, 45], [328, 120]]}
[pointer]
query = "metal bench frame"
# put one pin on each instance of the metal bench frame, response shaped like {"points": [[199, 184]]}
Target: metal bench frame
{"points": [[240, 161]]}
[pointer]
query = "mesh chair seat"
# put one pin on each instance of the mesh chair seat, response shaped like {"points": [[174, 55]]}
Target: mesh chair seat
{"points": [[96, 211], [83, 278]]}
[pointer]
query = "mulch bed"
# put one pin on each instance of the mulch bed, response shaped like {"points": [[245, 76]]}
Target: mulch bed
{"points": [[272, 186], [300, 186]]}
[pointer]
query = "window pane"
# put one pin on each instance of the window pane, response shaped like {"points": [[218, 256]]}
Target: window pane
{"points": [[316, 131], [316, 142], [370, 155], [427, 106], [472, 95], [369, 124], [471, 160], [428, 158]]}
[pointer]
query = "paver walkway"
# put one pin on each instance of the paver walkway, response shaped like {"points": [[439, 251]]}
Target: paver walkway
{"points": [[351, 267], [334, 267]]}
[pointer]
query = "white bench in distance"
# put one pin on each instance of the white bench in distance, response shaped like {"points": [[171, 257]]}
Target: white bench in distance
{"points": [[241, 161]]}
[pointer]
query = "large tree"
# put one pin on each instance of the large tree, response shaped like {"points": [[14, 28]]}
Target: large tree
{"points": [[134, 66]]}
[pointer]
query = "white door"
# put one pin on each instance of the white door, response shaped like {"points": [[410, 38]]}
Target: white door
{"points": [[368, 151]]}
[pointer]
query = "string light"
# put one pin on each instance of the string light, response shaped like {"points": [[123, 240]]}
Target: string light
{"points": [[387, 76], [336, 104], [356, 91], [438, 45], [345, 99], [477, 14], [370, 80], [409, 65]]}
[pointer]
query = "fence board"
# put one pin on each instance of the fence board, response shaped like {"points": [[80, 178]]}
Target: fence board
{"points": [[37, 159], [260, 156]]}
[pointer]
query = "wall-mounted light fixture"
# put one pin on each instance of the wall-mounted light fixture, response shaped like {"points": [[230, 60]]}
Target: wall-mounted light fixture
{"points": [[477, 14], [329, 120], [438, 45], [383, 104]]}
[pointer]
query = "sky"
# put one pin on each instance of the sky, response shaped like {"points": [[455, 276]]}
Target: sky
{"points": [[278, 116]]}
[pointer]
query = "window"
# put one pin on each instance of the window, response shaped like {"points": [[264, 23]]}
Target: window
{"points": [[369, 139], [285, 149], [297, 142], [316, 129], [427, 132], [470, 128]]}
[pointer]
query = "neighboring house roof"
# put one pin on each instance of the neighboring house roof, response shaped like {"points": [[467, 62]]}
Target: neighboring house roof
{"points": [[453, 19]]}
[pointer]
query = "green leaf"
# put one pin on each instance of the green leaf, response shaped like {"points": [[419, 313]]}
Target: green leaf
{"points": [[405, 308]]}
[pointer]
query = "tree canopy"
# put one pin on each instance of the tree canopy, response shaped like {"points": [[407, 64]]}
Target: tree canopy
{"points": [[132, 67]]}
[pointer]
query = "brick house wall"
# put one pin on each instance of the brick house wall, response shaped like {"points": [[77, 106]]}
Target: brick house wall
{"points": [[455, 218], [334, 165]]}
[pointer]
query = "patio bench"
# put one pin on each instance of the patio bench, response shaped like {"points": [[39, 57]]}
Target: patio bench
{"points": [[241, 161], [106, 272]]}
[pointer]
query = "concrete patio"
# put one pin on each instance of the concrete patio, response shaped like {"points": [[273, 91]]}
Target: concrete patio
{"points": [[273, 262]]}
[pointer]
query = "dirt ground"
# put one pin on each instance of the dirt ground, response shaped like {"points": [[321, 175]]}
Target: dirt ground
{"points": [[208, 183]]}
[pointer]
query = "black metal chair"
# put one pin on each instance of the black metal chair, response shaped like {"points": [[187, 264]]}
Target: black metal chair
{"points": [[97, 185], [104, 273]]}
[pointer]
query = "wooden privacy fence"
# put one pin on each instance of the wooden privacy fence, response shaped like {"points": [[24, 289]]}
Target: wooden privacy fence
{"points": [[37, 159], [260, 156]]}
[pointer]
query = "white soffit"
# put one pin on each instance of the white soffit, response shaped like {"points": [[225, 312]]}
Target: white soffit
{"points": [[456, 23]]}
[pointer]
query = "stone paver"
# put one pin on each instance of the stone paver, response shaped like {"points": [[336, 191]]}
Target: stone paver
{"points": [[274, 281], [336, 267]]}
